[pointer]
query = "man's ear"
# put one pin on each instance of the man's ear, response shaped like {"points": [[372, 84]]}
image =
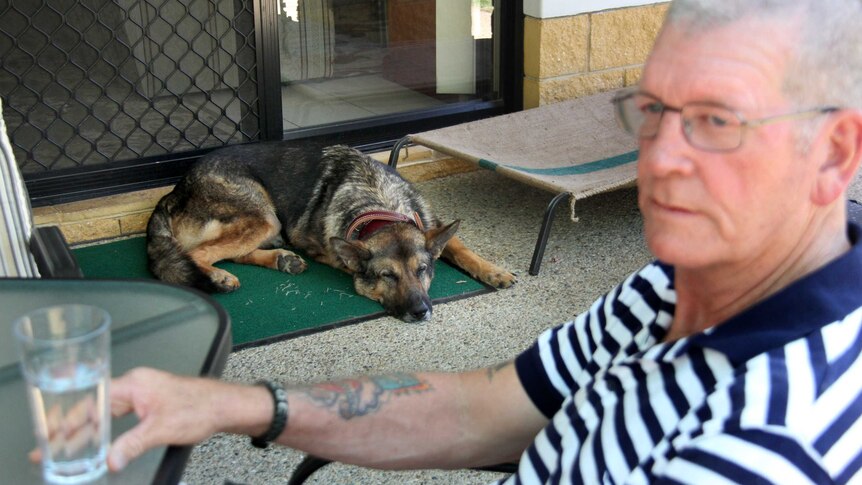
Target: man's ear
{"points": [[352, 254], [844, 152], [437, 238]]}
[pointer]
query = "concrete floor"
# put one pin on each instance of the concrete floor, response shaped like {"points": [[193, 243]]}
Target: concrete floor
{"points": [[501, 219]]}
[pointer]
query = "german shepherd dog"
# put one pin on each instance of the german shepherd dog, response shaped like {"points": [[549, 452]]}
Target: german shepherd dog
{"points": [[342, 208]]}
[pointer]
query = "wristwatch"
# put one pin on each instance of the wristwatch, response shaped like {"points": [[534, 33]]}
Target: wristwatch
{"points": [[279, 417]]}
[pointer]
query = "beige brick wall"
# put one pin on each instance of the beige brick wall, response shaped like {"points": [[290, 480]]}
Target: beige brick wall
{"points": [[101, 218], [574, 56]]}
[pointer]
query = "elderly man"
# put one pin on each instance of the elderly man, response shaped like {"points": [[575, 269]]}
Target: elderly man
{"points": [[735, 356]]}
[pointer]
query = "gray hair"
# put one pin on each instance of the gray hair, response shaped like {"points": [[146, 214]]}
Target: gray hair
{"points": [[826, 69]]}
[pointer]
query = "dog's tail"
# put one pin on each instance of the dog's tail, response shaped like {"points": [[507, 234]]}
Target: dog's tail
{"points": [[165, 257]]}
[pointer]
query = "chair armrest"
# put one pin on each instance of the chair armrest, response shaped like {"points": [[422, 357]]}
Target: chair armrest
{"points": [[52, 254]]}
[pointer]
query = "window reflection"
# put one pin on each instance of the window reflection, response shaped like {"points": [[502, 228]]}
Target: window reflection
{"points": [[345, 60]]}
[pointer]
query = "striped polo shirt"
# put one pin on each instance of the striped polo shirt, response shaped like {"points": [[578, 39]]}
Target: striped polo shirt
{"points": [[773, 395]]}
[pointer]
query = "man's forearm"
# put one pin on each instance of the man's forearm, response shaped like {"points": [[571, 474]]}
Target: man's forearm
{"points": [[421, 420], [398, 420]]}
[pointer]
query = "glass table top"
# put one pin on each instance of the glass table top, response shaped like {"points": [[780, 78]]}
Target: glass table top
{"points": [[153, 324]]}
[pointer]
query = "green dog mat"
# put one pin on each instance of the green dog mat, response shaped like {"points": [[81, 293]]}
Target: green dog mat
{"points": [[269, 305]]}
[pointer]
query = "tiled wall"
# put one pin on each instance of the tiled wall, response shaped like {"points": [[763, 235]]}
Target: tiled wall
{"points": [[578, 55]]}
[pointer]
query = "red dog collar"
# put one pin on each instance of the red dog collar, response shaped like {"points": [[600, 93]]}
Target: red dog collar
{"points": [[367, 223]]}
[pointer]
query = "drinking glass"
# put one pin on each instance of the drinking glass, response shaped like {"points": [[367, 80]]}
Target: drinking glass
{"points": [[65, 359]]}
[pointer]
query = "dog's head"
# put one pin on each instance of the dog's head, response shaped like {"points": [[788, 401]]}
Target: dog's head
{"points": [[395, 266]]}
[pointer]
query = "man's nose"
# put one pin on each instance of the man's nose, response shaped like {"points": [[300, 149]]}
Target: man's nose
{"points": [[668, 151]]}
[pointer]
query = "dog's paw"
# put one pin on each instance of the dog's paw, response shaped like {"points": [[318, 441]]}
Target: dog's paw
{"points": [[224, 282], [499, 279], [289, 262]]}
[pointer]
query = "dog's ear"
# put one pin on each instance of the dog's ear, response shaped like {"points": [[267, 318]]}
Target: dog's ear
{"points": [[352, 254], [437, 238]]}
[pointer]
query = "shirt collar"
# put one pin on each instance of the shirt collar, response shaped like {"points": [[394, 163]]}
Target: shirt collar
{"points": [[822, 297]]}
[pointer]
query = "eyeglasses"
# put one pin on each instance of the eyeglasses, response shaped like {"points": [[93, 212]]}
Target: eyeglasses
{"points": [[707, 126]]}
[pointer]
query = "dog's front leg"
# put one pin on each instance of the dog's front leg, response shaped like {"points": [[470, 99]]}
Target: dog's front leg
{"points": [[277, 259], [479, 268]]}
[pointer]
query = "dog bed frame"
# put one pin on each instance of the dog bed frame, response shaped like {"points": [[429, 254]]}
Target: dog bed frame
{"points": [[574, 149]]}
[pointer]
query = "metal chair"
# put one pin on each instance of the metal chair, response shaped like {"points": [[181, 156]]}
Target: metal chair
{"points": [[311, 464], [25, 251]]}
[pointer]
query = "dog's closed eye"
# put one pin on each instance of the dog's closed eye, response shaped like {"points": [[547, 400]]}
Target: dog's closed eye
{"points": [[389, 275]]}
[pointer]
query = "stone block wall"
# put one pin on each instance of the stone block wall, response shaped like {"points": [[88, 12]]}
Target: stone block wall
{"points": [[579, 55]]}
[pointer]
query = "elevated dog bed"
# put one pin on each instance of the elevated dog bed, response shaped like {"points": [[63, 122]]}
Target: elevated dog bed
{"points": [[574, 149]]}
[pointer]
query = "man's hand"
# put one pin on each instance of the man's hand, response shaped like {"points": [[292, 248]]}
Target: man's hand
{"points": [[172, 410]]}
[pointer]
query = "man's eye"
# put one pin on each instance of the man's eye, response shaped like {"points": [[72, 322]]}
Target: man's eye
{"points": [[652, 108], [717, 121]]}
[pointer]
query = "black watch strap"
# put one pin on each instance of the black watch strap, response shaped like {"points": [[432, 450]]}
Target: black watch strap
{"points": [[279, 417]]}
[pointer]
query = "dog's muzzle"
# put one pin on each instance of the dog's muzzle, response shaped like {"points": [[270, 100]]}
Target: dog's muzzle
{"points": [[419, 310]]}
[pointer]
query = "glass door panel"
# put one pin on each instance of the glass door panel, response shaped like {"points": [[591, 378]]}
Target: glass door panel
{"points": [[346, 60]]}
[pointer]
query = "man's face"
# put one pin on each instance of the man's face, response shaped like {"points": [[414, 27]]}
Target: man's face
{"points": [[702, 208]]}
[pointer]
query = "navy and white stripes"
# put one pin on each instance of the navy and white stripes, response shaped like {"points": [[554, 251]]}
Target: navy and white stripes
{"points": [[782, 404]]}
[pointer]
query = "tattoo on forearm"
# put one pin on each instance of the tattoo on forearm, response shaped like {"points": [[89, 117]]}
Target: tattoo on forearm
{"points": [[362, 396], [495, 369]]}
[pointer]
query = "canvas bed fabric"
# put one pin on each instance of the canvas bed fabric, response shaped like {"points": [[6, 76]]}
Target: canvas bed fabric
{"points": [[573, 147]]}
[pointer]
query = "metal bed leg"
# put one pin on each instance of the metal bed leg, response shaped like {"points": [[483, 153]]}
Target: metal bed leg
{"points": [[539, 252], [396, 150]]}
